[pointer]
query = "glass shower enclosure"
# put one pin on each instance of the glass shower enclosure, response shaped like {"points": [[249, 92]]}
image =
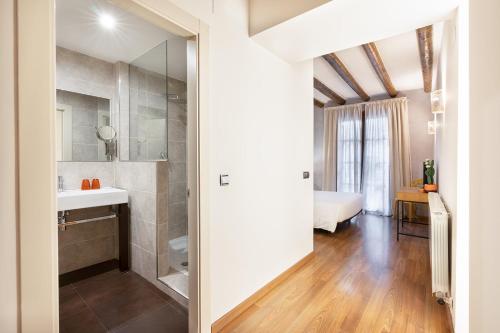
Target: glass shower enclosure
{"points": [[158, 131]]}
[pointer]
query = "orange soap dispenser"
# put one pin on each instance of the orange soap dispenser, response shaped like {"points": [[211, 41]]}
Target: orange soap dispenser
{"points": [[85, 184], [96, 184]]}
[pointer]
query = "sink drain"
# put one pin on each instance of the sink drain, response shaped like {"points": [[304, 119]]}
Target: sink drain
{"points": [[185, 263]]}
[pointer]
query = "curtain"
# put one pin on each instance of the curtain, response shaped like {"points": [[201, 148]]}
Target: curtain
{"points": [[376, 161], [349, 148], [378, 166], [399, 140], [330, 150], [387, 162]]}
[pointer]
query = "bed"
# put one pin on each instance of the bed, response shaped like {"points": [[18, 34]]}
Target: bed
{"points": [[331, 208]]}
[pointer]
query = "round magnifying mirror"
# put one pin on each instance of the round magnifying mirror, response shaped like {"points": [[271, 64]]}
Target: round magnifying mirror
{"points": [[106, 133]]}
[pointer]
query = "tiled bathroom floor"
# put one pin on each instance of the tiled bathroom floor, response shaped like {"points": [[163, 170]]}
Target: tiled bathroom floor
{"points": [[118, 302]]}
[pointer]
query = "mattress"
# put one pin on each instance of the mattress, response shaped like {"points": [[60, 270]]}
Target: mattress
{"points": [[331, 208]]}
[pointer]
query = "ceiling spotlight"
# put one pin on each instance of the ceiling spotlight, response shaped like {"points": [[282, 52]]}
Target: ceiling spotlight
{"points": [[107, 21]]}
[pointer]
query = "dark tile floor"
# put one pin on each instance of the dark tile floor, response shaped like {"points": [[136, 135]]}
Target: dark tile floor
{"points": [[118, 302]]}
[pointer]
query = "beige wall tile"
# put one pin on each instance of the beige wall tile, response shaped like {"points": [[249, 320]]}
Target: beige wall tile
{"points": [[74, 172], [162, 208], [143, 263], [83, 74], [143, 234], [136, 176], [143, 206], [177, 171]]}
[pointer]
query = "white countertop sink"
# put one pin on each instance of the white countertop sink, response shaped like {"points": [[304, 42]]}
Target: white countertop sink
{"points": [[76, 199]]}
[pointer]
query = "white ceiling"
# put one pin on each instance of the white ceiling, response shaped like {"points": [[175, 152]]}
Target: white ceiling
{"points": [[342, 24], [78, 29], [401, 59]]}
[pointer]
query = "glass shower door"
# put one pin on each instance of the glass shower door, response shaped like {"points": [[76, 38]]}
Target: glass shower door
{"points": [[158, 131], [173, 269]]}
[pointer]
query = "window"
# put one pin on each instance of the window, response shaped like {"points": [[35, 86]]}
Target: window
{"points": [[376, 163], [349, 150], [363, 161]]}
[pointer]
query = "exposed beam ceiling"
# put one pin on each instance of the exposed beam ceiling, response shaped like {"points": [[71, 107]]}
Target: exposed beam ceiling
{"points": [[328, 92], [424, 36], [344, 73], [378, 65], [336, 26], [401, 59], [319, 104]]}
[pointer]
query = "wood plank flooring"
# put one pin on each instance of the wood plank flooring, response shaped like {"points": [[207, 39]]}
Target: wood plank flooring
{"points": [[360, 280]]}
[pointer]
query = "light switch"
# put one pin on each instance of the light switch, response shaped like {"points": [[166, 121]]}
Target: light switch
{"points": [[224, 180], [305, 174]]}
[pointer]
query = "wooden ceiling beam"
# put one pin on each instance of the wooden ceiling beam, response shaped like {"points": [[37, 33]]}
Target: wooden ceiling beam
{"points": [[322, 88], [344, 73], [319, 104], [379, 67], [424, 37]]}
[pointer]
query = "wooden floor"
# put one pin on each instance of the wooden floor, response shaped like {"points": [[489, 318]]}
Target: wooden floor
{"points": [[360, 280]]}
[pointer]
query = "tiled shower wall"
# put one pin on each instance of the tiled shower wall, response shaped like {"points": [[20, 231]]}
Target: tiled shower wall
{"points": [[83, 74], [177, 185], [148, 109], [148, 115]]}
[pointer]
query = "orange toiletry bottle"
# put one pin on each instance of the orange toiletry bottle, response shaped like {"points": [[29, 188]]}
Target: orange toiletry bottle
{"points": [[85, 184], [96, 184]]}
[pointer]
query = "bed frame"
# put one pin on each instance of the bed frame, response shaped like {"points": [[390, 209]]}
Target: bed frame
{"points": [[345, 222]]}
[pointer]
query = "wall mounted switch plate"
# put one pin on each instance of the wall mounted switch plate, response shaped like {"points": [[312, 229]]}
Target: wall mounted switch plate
{"points": [[224, 180]]}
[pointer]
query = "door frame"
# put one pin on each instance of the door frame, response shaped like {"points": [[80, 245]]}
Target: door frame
{"points": [[36, 52]]}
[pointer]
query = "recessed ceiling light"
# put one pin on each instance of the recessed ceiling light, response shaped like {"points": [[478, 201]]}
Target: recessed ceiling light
{"points": [[107, 21]]}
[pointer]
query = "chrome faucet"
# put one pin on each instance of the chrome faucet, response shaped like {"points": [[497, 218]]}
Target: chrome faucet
{"points": [[60, 184]]}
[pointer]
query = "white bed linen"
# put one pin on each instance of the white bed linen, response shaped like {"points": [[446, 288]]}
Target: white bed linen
{"points": [[331, 208]]}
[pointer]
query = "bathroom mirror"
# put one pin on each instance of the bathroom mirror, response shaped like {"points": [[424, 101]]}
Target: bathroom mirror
{"points": [[78, 116]]}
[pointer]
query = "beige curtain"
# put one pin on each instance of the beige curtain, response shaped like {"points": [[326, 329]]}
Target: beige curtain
{"points": [[399, 140], [330, 150]]}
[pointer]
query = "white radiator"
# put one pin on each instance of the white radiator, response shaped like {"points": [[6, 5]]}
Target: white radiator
{"points": [[439, 247]]}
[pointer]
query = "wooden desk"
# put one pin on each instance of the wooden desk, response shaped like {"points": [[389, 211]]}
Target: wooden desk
{"points": [[408, 194]]}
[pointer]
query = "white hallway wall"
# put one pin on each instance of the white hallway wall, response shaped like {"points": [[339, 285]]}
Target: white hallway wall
{"points": [[447, 135], [261, 128], [452, 154], [261, 134]]}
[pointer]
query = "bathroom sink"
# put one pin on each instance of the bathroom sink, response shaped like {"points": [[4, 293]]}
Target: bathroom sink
{"points": [[76, 199]]}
